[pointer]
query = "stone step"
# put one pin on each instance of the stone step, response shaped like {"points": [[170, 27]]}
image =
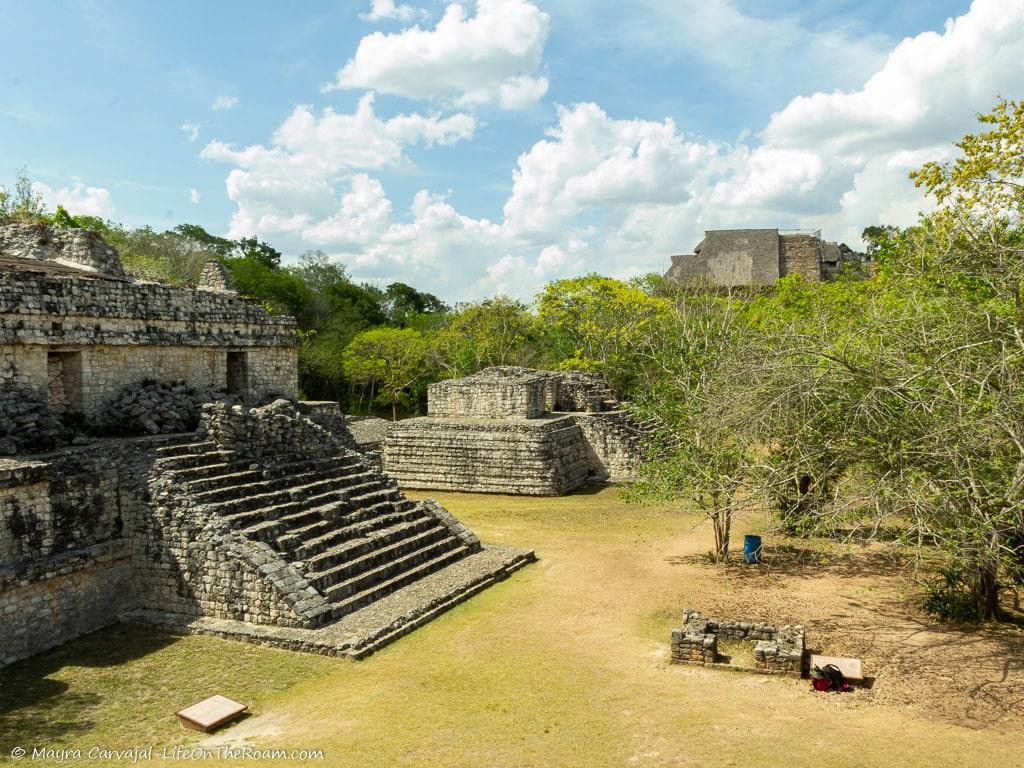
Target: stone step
{"points": [[348, 569], [405, 562], [367, 596], [268, 524], [260, 487], [324, 552], [291, 536], [197, 473], [191, 460], [375, 496], [249, 517], [247, 498], [184, 448], [329, 463], [232, 476]]}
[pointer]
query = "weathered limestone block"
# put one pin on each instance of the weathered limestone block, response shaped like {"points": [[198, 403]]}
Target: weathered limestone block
{"points": [[215, 277], [75, 246], [490, 394]]}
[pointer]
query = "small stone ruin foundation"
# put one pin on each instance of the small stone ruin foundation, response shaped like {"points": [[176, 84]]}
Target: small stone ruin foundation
{"points": [[778, 650]]}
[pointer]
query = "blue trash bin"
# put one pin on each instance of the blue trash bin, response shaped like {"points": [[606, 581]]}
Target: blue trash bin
{"points": [[752, 549]]}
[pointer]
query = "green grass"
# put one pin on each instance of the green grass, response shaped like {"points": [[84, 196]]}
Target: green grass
{"points": [[564, 664]]}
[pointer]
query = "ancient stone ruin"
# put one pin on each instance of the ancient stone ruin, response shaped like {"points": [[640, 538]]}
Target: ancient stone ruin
{"points": [[778, 650], [758, 257], [259, 523], [518, 431]]}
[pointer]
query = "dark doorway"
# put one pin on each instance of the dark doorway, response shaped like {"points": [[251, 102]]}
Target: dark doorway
{"points": [[238, 373], [64, 385]]}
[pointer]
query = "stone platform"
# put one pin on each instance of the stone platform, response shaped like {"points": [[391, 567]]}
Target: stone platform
{"points": [[516, 430], [359, 634], [543, 456]]}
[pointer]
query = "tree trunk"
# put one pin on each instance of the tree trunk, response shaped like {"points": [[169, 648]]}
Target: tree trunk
{"points": [[394, 409], [721, 521], [985, 588]]}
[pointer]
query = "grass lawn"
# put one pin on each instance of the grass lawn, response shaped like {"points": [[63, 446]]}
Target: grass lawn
{"points": [[564, 664]]}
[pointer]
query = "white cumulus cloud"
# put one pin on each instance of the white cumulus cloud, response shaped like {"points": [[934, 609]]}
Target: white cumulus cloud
{"points": [[290, 185], [77, 199], [224, 103], [615, 194], [490, 57], [388, 9], [193, 196]]}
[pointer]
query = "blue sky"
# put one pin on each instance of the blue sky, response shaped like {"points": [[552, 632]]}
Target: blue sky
{"points": [[487, 147]]}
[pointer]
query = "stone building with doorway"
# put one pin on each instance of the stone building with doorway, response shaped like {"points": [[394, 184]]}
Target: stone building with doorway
{"points": [[731, 258], [75, 331]]}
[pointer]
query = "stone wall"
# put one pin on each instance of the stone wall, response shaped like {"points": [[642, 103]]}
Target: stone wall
{"points": [[778, 649], [79, 340], [70, 246], [90, 376], [759, 257], [614, 445], [542, 457], [742, 256], [87, 532], [487, 396], [802, 255], [46, 603]]}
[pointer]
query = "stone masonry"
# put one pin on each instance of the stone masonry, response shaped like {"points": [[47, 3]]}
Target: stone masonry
{"points": [[778, 650], [758, 257], [76, 333], [261, 521], [516, 430]]}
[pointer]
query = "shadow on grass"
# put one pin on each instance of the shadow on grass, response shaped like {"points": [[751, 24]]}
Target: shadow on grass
{"points": [[805, 562], [38, 708]]}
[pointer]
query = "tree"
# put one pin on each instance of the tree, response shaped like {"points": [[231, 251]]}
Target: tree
{"points": [[594, 323], [391, 360], [24, 203], [498, 331], [691, 384], [403, 304], [916, 397]]}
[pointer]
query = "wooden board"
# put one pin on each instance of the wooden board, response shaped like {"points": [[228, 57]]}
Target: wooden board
{"points": [[852, 669], [209, 713]]}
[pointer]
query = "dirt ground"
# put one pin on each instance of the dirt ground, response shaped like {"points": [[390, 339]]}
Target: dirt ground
{"points": [[566, 664]]}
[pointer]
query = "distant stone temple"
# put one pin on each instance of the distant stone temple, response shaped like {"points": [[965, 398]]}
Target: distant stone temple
{"points": [[257, 520], [757, 257], [515, 430]]}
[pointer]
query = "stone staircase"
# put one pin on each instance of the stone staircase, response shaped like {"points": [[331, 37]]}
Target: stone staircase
{"points": [[335, 519]]}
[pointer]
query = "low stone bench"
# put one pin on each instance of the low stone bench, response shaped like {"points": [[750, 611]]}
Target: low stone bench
{"points": [[210, 713], [852, 669]]}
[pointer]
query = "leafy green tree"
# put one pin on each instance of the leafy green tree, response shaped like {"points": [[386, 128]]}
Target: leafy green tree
{"points": [[691, 381], [915, 397], [205, 241], [403, 305], [23, 203], [498, 331], [391, 361], [594, 323]]}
